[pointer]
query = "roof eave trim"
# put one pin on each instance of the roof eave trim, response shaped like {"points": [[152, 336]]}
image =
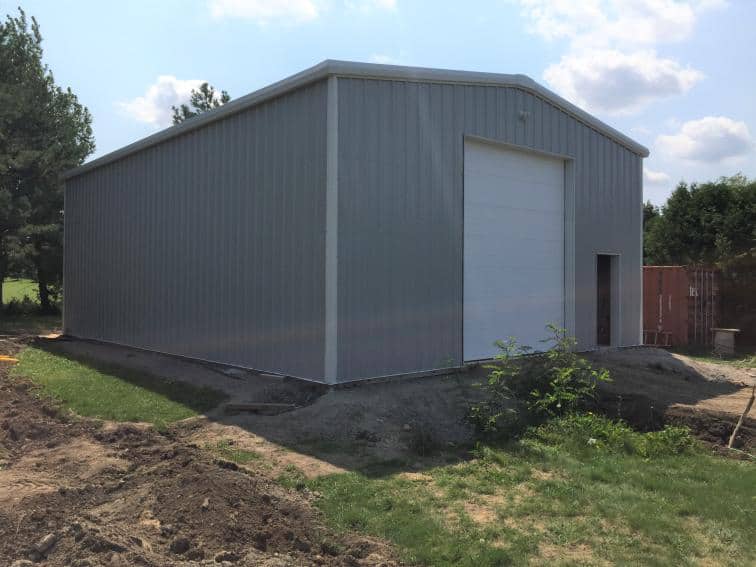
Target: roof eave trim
{"points": [[366, 71]]}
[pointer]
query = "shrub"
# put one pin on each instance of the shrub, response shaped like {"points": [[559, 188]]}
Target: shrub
{"points": [[499, 412], [538, 385]]}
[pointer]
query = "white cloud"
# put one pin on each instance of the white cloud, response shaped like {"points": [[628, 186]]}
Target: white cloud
{"points": [[711, 139], [652, 177], [265, 11], [615, 82], [601, 23], [155, 106], [611, 64]]}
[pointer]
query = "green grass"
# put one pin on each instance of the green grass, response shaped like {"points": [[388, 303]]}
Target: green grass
{"points": [[113, 393], [226, 450], [742, 359], [18, 289], [22, 323], [739, 361], [292, 478], [564, 502]]}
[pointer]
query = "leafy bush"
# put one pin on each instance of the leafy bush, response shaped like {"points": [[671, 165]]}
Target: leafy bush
{"points": [[588, 433], [538, 385]]}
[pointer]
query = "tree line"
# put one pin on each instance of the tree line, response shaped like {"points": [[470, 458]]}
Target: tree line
{"points": [[709, 223], [45, 131]]}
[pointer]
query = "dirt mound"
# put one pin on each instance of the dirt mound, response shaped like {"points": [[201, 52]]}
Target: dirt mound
{"points": [[129, 495], [652, 387]]}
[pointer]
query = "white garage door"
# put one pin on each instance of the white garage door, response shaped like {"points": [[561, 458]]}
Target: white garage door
{"points": [[514, 247]]}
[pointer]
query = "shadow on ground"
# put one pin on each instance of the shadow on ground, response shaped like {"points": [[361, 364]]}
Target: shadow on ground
{"points": [[653, 387], [375, 428], [410, 424]]}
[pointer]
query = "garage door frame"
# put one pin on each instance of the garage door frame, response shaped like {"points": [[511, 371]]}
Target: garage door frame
{"points": [[569, 229]]}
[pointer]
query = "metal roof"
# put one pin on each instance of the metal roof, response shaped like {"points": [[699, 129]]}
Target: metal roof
{"points": [[330, 68]]}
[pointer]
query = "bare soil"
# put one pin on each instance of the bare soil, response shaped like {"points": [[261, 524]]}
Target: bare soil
{"points": [[652, 387], [423, 421], [419, 420], [79, 492], [126, 494]]}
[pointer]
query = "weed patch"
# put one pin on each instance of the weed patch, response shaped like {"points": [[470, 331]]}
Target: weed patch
{"points": [[585, 433]]}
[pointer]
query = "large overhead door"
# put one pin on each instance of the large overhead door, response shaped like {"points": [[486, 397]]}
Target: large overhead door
{"points": [[513, 247]]}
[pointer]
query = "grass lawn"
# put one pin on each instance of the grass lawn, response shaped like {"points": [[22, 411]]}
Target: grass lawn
{"points": [[115, 394], [545, 499], [24, 323], [18, 288]]}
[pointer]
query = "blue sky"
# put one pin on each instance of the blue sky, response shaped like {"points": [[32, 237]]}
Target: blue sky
{"points": [[678, 76]]}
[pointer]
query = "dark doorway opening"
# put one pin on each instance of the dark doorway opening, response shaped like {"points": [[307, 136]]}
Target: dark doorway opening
{"points": [[604, 300]]}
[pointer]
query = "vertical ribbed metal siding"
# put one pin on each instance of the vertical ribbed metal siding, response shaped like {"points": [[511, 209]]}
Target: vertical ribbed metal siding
{"points": [[400, 215], [209, 245]]}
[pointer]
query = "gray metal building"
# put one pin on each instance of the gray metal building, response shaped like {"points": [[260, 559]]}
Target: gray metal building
{"points": [[359, 220]]}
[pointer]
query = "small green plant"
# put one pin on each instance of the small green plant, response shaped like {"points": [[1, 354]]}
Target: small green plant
{"points": [[562, 380], [499, 412], [547, 384]]}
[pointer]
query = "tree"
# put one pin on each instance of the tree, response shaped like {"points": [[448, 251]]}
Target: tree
{"points": [[707, 223], [651, 214], [44, 131], [203, 99]]}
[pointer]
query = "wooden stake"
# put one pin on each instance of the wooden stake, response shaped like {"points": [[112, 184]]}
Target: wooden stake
{"points": [[742, 418]]}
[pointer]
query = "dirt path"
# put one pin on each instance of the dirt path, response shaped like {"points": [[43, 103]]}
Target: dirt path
{"points": [[77, 492]]}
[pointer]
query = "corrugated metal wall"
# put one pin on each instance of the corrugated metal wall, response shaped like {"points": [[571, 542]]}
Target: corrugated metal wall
{"points": [[210, 245], [400, 215]]}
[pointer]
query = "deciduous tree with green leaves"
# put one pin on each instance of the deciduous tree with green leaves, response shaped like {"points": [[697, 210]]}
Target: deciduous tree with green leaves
{"points": [[203, 99], [44, 131]]}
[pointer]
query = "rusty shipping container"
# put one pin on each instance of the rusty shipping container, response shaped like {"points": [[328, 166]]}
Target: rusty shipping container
{"points": [[681, 304]]}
